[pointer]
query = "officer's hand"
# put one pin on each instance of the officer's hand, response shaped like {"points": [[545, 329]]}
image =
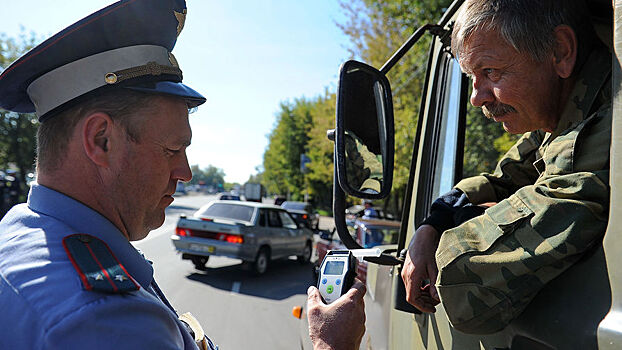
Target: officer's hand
{"points": [[340, 325], [420, 271]]}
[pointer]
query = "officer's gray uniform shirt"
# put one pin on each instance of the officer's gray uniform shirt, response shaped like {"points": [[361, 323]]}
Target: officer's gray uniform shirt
{"points": [[43, 304]]}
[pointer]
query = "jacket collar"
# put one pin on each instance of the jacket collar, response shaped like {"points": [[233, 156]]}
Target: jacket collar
{"points": [[83, 219]]}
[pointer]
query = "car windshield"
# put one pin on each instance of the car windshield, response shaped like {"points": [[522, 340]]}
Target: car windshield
{"points": [[294, 205], [229, 197], [228, 211], [380, 235]]}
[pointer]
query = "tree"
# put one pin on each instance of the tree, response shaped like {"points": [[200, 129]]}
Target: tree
{"points": [[485, 143], [257, 178], [17, 131], [18, 142], [210, 176], [319, 178], [287, 141]]}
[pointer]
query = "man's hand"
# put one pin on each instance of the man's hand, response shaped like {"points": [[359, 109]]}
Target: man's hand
{"points": [[420, 271], [340, 325]]}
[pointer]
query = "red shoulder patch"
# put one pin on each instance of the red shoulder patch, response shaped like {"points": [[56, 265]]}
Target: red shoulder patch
{"points": [[98, 268]]}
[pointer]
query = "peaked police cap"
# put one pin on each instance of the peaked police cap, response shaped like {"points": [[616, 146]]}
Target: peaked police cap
{"points": [[125, 45]]}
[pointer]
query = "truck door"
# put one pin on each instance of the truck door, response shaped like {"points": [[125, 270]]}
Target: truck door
{"points": [[438, 166]]}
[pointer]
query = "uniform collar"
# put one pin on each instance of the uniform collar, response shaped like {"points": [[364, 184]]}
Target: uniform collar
{"points": [[83, 219], [589, 82]]}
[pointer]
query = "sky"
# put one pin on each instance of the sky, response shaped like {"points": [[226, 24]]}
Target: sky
{"points": [[245, 56]]}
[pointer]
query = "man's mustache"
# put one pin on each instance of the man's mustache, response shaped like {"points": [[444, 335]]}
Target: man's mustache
{"points": [[497, 110]]}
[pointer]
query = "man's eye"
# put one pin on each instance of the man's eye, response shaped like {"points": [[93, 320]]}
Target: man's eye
{"points": [[172, 151], [492, 73]]}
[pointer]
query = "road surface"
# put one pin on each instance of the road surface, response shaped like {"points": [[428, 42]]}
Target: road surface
{"points": [[236, 309]]}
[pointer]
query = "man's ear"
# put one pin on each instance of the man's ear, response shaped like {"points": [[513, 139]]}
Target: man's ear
{"points": [[565, 51], [96, 132]]}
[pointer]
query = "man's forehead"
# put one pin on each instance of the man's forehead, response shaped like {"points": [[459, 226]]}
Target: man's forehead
{"points": [[167, 119], [484, 46]]}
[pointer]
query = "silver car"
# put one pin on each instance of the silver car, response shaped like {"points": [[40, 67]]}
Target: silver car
{"points": [[253, 232]]}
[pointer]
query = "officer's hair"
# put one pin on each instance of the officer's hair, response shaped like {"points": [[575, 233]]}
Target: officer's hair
{"points": [[54, 134], [527, 25]]}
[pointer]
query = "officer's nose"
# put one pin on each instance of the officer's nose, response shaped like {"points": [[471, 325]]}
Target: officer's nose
{"points": [[182, 171], [482, 92]]}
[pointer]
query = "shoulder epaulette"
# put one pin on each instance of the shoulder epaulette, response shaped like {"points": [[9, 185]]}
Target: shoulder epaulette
{"points": [[98, 268]]}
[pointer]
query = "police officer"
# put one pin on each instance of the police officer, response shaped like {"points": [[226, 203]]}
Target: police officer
{"points": [[369, 212], [538, 68], [111, 147]]}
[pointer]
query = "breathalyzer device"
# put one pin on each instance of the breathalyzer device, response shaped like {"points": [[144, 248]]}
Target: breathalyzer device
{"points": [[337, 274]]}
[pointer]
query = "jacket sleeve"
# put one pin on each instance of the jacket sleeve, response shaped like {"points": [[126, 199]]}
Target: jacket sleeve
{"points": [[493, 265], [116, 322], [513, 171]]}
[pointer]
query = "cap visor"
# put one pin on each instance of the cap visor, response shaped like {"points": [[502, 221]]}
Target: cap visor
{"points": [[193, 98]]}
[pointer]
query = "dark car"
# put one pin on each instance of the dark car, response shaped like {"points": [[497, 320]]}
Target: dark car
{"points": [[228, 197], [357, 211], [303, 213], [279, 200]]}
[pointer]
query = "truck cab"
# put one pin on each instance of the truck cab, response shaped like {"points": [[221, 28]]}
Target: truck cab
{"points": [[580, 309]]}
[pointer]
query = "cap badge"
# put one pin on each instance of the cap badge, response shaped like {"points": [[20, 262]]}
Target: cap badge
{"points": [[181, 20], [110, 78], [173, 60], [151, 68]]}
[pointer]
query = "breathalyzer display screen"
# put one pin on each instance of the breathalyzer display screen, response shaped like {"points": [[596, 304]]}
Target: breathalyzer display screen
{"points": [[334, 267]]}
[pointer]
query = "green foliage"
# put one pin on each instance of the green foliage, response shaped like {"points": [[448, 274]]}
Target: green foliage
{"points": [[17, 131], [504, 142], [210, 176], [320, 149], [287, 141], [300, 128], [485, 143]]}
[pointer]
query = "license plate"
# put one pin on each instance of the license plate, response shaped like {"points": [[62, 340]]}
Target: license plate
{"points": [[202, 248]]}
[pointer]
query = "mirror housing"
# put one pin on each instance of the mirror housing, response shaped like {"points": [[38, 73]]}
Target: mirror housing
{"points": [[364, 135]]}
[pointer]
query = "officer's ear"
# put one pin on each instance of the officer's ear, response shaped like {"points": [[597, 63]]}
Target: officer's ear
{"points": [[97, 130], [565, 51]]}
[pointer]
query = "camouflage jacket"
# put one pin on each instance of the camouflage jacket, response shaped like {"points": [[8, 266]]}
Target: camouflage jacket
{"points": [[552, 191], [363, 167]]}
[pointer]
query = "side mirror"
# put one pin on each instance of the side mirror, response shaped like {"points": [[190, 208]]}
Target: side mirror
{"points": [[364, 135]]}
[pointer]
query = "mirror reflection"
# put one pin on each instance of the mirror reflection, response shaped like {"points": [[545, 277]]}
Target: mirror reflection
{"points": [[363, 167], [363, 98]]}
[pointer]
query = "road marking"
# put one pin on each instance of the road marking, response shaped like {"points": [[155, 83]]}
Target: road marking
{"points": [[236, 287]]}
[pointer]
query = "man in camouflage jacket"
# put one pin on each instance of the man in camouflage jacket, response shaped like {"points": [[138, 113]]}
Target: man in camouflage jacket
{"points": [[547, 201]]}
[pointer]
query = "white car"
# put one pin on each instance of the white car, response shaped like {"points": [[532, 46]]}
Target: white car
{"points": [[253, 232]]}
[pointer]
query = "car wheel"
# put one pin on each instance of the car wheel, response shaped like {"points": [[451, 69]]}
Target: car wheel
{"points": [[306, 254], [261, 261], [200, 262]]}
